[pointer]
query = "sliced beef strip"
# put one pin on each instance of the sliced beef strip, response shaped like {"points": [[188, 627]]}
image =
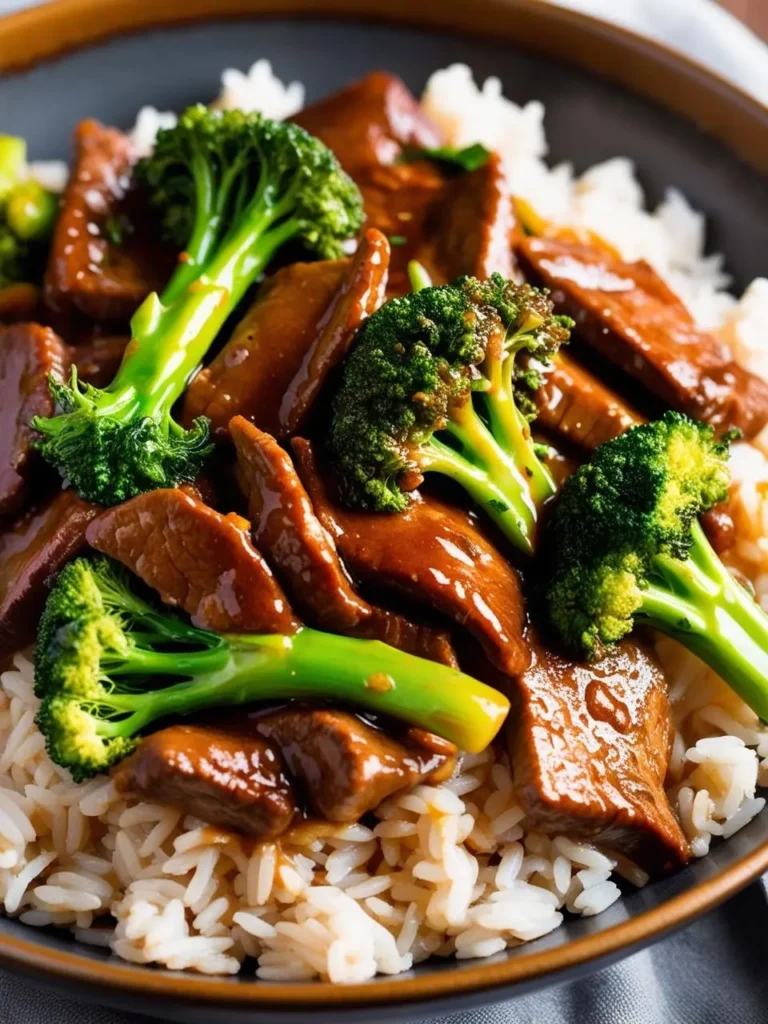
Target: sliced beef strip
{"points": [[368, 126], [347, 767], [32, 552], [196, 559], [361, 292], [20, 302], [433, 553], [86, 271], [471, 227], [576, 407], [250, 374], [590, 746], [227, 778], [302, 553], [29, 353], [628, 315]]}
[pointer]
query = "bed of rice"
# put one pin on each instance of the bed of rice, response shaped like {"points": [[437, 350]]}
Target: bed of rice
{"points": [[445, 870]]}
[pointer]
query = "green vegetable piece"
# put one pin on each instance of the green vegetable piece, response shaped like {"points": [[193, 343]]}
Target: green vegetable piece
{"points": [[31, 211], [625, 548], [436, 381], [470, 158], [103, 656], [13, 162], [232, 189]]}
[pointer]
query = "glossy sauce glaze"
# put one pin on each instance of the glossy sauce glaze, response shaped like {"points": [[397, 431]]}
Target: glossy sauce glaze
{"points": [[196, 559], [433, 553], [302, 553], [629, 315]]}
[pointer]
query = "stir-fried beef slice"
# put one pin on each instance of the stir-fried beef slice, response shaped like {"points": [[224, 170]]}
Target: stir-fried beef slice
{"points": [[229, 779], [286, 529], [347, 767], [472, 226], [720, 528], [28, 354], [575, 406], [89, 270], [250, 374], [196, 559], [33, 551], [590, 747], [368, 126], [627, 313], [433, 553], [20, 302], [98, 358], [360, 294]]}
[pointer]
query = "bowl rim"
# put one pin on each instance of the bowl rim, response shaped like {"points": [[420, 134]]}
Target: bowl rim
{"points": [[634, 61]]}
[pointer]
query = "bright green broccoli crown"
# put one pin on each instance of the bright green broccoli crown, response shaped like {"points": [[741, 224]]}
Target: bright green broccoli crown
{"points": [[79, 735], [414, 360], [633, 504], [107, 458], [236, 156]]}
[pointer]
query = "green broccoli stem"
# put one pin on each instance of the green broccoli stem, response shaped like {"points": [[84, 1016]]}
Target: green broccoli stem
{"points": [[513, 432], [169, 341], [700, 604], [311, 664], [486, 472]]}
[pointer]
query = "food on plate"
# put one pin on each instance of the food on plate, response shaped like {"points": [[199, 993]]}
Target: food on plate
{"points": [[389, 513]]}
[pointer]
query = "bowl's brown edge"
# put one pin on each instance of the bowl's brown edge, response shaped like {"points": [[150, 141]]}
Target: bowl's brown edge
{"points": [[658, 72]]}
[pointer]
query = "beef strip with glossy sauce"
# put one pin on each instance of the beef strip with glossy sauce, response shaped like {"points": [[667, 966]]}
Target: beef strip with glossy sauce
{"points": [[361, 292], [433, 553], [249, 376], [347, 767], [29, 353], [590, 746], [227, 778], [32, 552], [87, 270], [302, 553], [98, 358], [628, 315], [196, 559]]}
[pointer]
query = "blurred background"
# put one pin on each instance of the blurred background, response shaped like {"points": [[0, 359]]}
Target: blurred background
{"points": [[754, 12]]}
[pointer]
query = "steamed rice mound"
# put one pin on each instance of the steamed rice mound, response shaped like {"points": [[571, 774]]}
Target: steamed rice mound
{"points": [[444, 870]]}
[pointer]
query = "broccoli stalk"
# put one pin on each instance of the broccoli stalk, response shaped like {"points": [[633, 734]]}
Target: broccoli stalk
{"points": [[234, 188], [436, 382], [625, 548], [102, 655]]}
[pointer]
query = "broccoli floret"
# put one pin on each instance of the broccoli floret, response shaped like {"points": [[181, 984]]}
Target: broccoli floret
{"points": [[431, 385], [232, 189], [27, 215], [624, 547], [102, 654]]}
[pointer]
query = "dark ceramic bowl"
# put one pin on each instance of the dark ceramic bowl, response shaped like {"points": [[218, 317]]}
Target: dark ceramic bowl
{"points": [[607, 93]]}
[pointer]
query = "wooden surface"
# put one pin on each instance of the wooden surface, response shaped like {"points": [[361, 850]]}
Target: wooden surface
{"points": [[753, 12]]}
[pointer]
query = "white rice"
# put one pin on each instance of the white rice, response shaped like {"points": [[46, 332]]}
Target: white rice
{"points": [[445, 870]]}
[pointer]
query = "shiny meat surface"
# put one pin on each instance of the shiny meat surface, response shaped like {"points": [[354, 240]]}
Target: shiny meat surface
{"points": [[590, 746], [98, 359], [32, 552], [28, 354], [471, 227], [302, 553], [575, 406], [249, 376], [87, 271], [196, 559], [348, 767], [225, 777], [433, 553], [368, 125], [361, 292], [627, 313]]}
